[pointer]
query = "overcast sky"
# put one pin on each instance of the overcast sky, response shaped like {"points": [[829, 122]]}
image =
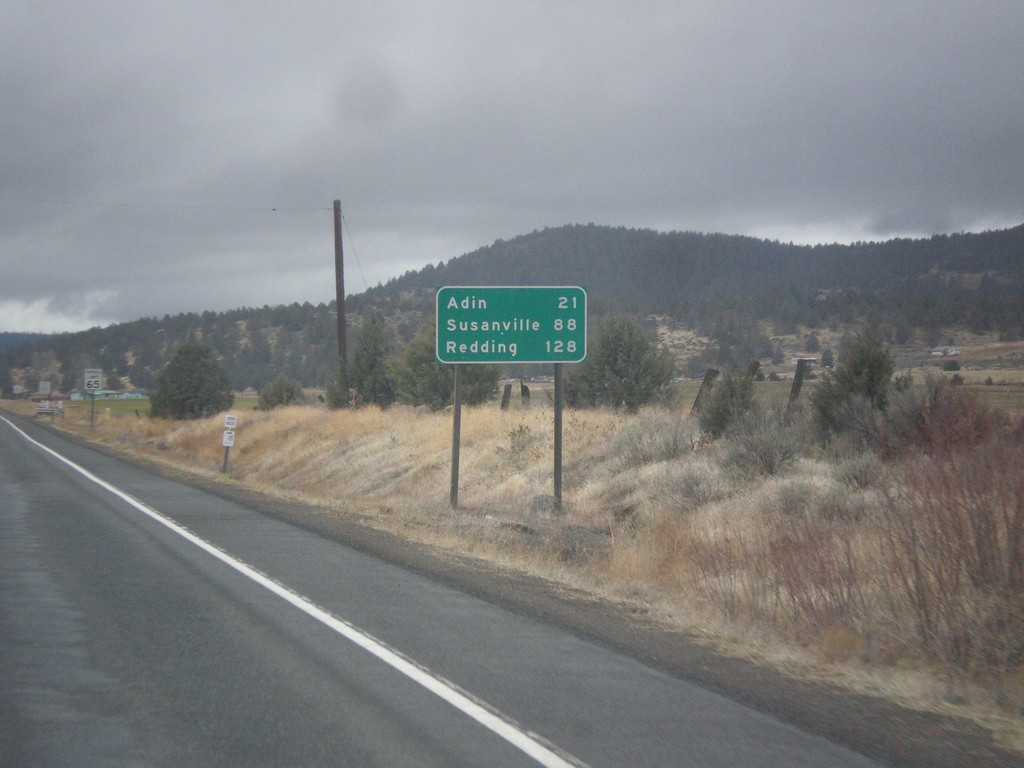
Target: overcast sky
{"points": [[164, 157]]}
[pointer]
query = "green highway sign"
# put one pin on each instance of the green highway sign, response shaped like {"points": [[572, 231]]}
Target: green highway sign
{"points": [[513, 324]]}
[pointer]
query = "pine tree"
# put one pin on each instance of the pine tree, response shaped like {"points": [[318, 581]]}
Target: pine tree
{"points": [[192, 385], [864, 373], [422, 380], [369, 374], [624, 367]]}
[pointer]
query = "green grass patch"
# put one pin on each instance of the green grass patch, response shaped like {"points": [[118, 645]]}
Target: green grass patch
{"points": [[131, 407]]}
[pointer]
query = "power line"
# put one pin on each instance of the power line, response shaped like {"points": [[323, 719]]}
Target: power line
{"points": [[354, 254], [168, 206]]}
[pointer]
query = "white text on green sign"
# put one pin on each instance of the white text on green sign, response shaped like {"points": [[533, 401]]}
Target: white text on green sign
{"points": [[514, 324]]}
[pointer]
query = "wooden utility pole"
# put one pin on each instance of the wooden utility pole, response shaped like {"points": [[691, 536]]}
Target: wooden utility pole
{"points": [[339, 280]]}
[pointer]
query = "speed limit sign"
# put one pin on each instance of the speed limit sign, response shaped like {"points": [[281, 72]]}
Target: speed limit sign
{"points": [[93, 379]]}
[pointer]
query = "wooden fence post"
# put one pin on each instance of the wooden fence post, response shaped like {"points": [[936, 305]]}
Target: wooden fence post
{"points": [[705, 388], [802, 364]]}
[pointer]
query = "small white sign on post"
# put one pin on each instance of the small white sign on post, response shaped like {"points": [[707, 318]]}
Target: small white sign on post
{"points": [[93, 379], [228, 440], [93, 383], [44, 387]]}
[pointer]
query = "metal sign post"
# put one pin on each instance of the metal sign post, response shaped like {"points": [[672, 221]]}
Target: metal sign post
{"points": [[558, 437], [512, 324], [92, 383], [228, 439], [453, 494]]}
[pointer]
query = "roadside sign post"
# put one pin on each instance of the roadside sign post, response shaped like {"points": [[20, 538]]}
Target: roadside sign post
{"points": [[558, 438], [92, 383], [510, 324], [228, 438], [453, 494]]}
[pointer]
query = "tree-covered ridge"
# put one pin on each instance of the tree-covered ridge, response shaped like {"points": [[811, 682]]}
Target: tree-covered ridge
{"points": [[15, 339], [254, 345], [660, 269], [727, 288]]}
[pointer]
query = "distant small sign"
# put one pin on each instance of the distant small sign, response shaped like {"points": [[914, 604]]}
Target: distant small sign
{"points": [[230, 421], [228, 441]]}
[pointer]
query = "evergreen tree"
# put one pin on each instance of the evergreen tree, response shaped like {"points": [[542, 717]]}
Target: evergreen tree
{"points": [[192, 385], [624, 368], [863, 372], [337, 389], [730, 398], [422, 380], [369, 374]]}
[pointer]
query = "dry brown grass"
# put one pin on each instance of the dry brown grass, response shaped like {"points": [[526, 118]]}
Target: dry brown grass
{"points": [[802, 569]]}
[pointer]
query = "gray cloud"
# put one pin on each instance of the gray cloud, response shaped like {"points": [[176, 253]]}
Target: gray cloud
{"points": [[143, 145]]}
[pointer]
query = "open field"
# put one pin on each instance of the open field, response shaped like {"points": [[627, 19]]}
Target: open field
{"points": [[803, 567], [136, 407]]}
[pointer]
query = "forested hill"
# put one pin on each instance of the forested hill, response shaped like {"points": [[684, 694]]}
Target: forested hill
{"points": [[15, 339], [725, 287], [647, 269]]}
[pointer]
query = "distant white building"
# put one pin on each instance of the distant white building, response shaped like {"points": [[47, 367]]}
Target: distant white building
{"points": [[945, 351]]}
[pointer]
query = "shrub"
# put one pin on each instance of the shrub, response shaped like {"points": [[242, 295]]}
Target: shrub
{"points": [[861, 471], [795, 499], [954, 525], [653, 436], [281, 391], [811, 564], [731, 397], [762, 442], [936, 417], [521, 444], [691, 487], [839, 503]]}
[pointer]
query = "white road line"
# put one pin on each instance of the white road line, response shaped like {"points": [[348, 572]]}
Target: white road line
{"points": [[533, 745]]}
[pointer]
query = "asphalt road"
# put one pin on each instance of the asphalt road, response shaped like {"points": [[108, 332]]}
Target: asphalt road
{"points": [[145, 622]]}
